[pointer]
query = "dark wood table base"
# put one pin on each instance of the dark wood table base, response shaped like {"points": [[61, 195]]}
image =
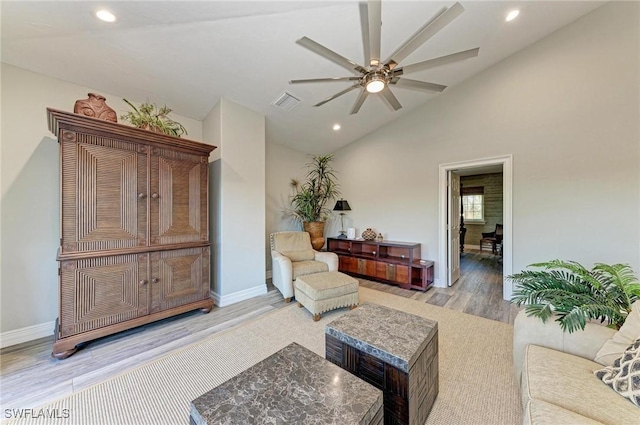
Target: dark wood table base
{"points": [[408, 397]]}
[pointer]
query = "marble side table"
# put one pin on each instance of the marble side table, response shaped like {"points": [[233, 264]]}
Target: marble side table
{"points": [[395, 351], [292, 386]]}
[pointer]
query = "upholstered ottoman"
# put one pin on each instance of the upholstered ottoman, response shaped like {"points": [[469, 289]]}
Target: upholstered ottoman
{"points": [[322, 292]]}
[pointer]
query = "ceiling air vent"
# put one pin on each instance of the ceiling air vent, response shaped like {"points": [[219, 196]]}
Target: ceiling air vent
{"points": [[286, 102]]}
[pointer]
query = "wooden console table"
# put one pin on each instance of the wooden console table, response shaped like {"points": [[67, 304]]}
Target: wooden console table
{"points": [[396, 263]]}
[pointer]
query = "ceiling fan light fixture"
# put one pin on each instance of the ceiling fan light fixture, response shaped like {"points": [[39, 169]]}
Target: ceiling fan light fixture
{"points": [[375, 84]]}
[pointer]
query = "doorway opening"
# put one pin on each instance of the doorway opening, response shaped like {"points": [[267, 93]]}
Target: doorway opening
{"points": [[450, 212]]}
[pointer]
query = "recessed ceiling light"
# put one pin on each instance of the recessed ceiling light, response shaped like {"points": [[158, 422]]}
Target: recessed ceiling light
{"points": [[336, 127], [105, 15], [512, 15]]}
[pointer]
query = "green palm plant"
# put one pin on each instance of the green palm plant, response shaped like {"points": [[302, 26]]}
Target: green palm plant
{"points": [[576, 294], [309, 199]]}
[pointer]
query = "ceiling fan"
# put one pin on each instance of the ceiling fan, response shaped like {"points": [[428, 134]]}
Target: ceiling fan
{"points": [[379, 76]]}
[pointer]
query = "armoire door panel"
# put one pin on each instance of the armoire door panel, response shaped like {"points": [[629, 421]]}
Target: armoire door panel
{"points": [[101, 182], [178, 201], [102, 291], [179, 277]]}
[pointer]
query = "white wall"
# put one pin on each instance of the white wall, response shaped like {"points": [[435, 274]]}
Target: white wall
{"points": [[282, 164], [237, 201], [211, 132], [567, 108], [30, 193]]}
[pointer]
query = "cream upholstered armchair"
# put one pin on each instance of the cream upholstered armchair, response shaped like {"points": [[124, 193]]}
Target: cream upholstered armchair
{"points": [[292, 255]]}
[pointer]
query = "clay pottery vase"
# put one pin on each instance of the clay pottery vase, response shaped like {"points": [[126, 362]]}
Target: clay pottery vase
{"points": [[94, 106], [315, 229]]}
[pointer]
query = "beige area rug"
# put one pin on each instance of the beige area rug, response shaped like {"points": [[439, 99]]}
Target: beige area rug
{"points": [[476, 383]]}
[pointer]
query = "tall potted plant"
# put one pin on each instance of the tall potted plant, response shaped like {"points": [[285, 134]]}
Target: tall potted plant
{"points": [[575, 294], [309, 199]]}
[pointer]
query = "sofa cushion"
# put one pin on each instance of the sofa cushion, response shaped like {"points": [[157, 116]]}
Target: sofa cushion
{"points": [[302, 268], [568, 382], [624, 375], [301, 255], [531, 330], [542, 413], [629, 331]]}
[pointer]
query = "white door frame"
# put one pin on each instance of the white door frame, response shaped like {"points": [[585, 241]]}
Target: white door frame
{"points": [[453, 223], [507, 196]]}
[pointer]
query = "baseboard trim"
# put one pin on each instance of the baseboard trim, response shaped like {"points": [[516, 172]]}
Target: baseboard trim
{"points": [[469, 246], [436, 283], [42, 330], [18, 336], [245, 294]]}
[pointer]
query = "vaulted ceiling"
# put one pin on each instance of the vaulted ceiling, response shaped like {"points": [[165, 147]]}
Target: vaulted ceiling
{"points": [[188, 55]]}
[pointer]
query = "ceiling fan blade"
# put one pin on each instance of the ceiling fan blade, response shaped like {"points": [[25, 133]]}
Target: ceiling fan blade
{"points": [[419, 85], [364, 26], [375, 26], [431, 28], [390, 99], [347, 90], [359, 101], [324, 80], [330, 54], [442, 60]]}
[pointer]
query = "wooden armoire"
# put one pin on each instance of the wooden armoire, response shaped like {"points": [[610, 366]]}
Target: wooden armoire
{"points": [[134, 244]]}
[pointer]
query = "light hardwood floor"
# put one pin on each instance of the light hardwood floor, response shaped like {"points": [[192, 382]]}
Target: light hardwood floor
{"points": [[478, 292], [30, 377]]}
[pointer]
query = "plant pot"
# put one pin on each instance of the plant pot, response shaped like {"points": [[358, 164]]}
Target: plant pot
{"points": [[316, 230], [151, 128]]}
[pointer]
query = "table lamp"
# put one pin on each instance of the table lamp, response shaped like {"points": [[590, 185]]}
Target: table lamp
{"points": [[342, 205]]}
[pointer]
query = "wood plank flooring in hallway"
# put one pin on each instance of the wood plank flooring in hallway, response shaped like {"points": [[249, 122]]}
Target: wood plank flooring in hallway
{"points": [[478, 292]]}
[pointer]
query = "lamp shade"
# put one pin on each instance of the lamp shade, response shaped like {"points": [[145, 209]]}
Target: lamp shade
{"points": [[342, 205]]}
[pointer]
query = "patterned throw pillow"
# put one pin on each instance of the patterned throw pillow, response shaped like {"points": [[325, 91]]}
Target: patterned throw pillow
{"points": [[624, 375], [615, 346]]}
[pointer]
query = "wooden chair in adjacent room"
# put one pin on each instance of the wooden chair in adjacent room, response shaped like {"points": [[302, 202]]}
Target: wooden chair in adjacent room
{"points": [[492, 239]]}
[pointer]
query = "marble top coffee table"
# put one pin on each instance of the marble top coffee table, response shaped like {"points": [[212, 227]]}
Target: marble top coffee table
{"points": [[292, 386], [393, 350]]}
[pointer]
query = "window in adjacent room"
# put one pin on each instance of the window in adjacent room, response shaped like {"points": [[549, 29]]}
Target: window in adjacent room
{"points": [[473, 204]]}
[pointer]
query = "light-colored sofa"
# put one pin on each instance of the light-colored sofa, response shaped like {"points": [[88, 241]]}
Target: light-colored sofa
{"points": [[292, 255], [555, 369]]}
